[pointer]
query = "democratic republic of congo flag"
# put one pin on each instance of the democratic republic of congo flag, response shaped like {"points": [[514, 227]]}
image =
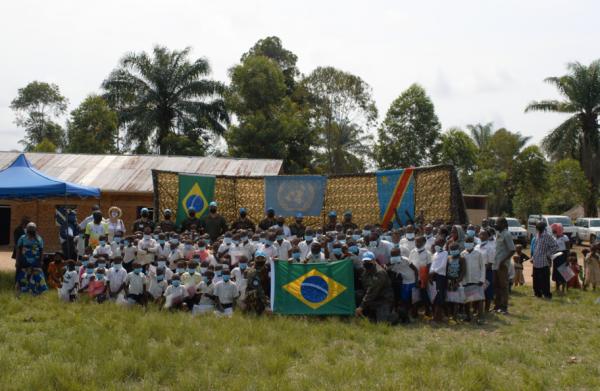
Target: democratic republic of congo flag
{"points": [[313, 289], [396, 194], [194, 192]]}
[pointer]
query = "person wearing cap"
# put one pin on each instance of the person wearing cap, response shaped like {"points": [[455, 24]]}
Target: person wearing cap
{"points": [[258, 285], [243, 222], [115, 223], [214, 224], [315, 255], [378, 297], [297, 228], [347, 223], [143, 221], [331, 222], [190, 221], [167, 224], [268, 221]]}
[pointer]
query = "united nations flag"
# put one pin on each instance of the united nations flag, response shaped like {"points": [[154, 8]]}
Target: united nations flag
{"points": [[290, 195], [313, 289]]}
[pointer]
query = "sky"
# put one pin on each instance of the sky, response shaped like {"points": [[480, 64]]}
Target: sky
{"points": [[479, 61]]}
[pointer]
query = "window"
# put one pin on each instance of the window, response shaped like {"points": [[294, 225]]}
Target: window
{"points": [[564, 221], [595, 223]]}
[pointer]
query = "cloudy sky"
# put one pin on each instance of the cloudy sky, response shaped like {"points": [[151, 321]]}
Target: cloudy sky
{"points": [[479, 61]]}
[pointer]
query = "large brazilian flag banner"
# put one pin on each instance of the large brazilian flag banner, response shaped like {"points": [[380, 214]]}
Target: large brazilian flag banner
{"points": [[194, 192], [313, 289]]}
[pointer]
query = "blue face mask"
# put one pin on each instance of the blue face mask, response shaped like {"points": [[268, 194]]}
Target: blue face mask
{"points": [[126, 242], [218, 273], [438, 249], [268, 243], [226, 277], [191, 271], [174, 242], [243, 266], [161, 242], [117, 239], [469, 246], [279, 237], [102, 242], [366, 232], [373, 243], [227, 241], [205, 279], [137, 270], [161, 263], [175, 283], [117, 266], [296, 255], [353, 249], [471, 233], [236, 242], [85, 263], [179, 270], [188, 246], [455, 253], [99, 276], [337, 251], [244, 239], [89, 270], [356, 237], [308, 238], [160, 277]]}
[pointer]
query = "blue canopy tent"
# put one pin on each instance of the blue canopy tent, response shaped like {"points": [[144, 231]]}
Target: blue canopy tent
{"points": [[21, 181]]}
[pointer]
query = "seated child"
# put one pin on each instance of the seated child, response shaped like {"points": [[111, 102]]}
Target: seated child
{"points": [[116, 277], [158, 284], [136, 285], [70, 282], [87, 276], [97, 286], [225, 292], [175, 294], [55, 271]]}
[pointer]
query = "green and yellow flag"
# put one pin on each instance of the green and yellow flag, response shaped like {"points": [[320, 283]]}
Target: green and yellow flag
{"points": [[194, 192], [313, 289]]}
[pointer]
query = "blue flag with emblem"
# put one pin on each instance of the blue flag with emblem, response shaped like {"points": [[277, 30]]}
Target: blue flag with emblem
{"points": [[290, 195], [313, 289]]}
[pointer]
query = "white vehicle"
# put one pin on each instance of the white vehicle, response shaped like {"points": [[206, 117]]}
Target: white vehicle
{"points": [[588, 229], [568, 228], [519, 234]]}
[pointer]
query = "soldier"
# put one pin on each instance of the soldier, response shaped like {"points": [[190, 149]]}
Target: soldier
{"points": [[348, 224], [143, 221], [190, 221], [269, 221], [376, 303], [258, 284], [167, 225], [298, 228], [243, 222], [332, 222]]}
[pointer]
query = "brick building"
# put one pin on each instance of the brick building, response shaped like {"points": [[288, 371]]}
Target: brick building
{"points": [[124, 180]]}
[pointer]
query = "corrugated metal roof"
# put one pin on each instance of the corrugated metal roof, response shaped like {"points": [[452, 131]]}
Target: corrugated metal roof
{"points": [[132, 173]]}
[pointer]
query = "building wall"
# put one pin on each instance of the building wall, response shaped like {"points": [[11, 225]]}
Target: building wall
{"points": [[42, 212]]}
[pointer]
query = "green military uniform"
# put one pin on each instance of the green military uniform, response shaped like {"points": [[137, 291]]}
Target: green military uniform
{"points": [[256, 296], [298, 229], [329, 227], [349, 225], [215, 225], [243, 223], [267, 223], [378, 294]]}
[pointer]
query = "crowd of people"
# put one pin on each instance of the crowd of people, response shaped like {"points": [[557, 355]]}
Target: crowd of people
{"points": [[432, 271]]}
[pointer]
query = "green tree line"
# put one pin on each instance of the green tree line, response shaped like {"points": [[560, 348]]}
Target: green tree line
{"points": [[164, 102]]}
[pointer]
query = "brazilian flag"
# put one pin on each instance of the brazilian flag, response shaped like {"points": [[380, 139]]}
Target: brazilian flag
{"points": [[195, 192], [313, 289]]}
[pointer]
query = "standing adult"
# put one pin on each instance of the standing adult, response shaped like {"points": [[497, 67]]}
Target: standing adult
{"points": [[376, 303], [191, 221], [81, 242], [30, 248], [243, 223], [143, 221], [505, 248], [95, 229], [68, 231], [115, 224], [214, 224], [545, 247], [167, 224], [348, 223], [268, 221], [297, 228], [331, 222]]}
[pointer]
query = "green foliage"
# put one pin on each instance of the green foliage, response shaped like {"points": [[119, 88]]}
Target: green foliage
{"points": [[409, 132], [578, 137], [35, 107], [531, 173], [458, 149], [165, 94], [45, 146], [92, 128], [270, 124], [481, 134], [49, 345], [342, 113], [567, 186]]}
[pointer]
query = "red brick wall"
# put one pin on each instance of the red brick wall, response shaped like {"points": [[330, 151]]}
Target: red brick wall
{"points": [[42, 211]]}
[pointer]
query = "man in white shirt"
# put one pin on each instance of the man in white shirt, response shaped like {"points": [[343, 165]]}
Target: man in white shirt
{"points": [[226, 292], [136, 284], [147, 247], [408, 241], [269, 249], [282, 246], [304, 245], [381, 248], [116, 277]]}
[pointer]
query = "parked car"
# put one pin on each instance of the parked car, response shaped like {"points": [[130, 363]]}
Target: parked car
{"points": [[588, 229], [518, 232], [568, 228]]}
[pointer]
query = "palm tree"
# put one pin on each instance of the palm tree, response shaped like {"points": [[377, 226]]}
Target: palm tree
{"points": [[165, 94], [346, 148], [578, 136], [481, 134]]}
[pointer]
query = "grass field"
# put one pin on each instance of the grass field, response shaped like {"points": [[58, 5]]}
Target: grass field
{"points": [[46, 344]]}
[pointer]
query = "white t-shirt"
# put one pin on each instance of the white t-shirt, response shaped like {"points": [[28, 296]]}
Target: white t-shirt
{"points": [[227, 292], [438, 265], [136, 283], [70, 280], [247, 250], [283, 249], [129, 253], [205, 290], [487, 252], [382, 252], [146, 250], [562, 242], [304, 248], [157, 288], [408, 244], [116, 278], [404, 268], [475, 267], [419, 258], [176, 291], [105, 250]]}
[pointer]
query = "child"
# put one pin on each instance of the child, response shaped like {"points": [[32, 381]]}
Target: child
{"points": [[87, 276], [488, 252], [437, 276], [473, 280], [70, 281], [204, 290], [225, 292], [158, 284], [455, 272], [103, 248], [574, 281], [129, 253], [592, 268], [518, 262], [97, 287], [55, 271], [420, 257], [175, 294], [190, 280], [116, 277], [117, 245], [135, 285]]}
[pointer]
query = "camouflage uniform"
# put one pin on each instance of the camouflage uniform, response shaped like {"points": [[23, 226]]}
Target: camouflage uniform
{"points": [[257, 299], [378, 295]]}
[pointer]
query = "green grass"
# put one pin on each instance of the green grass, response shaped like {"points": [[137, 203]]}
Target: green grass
{"points": [[46, 344]]}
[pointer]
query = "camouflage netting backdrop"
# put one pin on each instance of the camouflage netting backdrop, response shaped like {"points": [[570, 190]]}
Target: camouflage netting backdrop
{"points": [[437, 194]]}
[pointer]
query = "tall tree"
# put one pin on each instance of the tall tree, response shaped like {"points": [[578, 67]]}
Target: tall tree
{"points": [[409, 132], [481, 134], [269, 123], [531, 173], [578, 136], [342, 113], [457, 148], [567, 186], [92, 128], [165, 94], [36, 106]]}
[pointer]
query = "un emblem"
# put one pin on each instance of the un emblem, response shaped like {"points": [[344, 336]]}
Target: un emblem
{"points": [[295, 196]]}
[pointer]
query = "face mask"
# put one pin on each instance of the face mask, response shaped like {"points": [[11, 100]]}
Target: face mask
{"points": [[410, 236], [308, 238], [484, 242], [356, 237], [162, 263], [191, 271], [137, 270], [366, 232], [244, 239], [373, 243], [218, 273], [279, 238], [161, 242], [395, 259], [236, 242], [102, 243], [114, 215], [174, 242], [296, 255], [438, 249], [469, 246], [160, 277], [227, 241], [84, 263], [179, 270], [203, 270], [117, 266], [126, 242], [101, 265], [188, 246], [337, 251], [99, 277], [155, 237], [226, 277], [147, 237], [205, 279], [353, 249], [175, 283], [243, 266], [89, 271], [455, 253], [471, 233], [268, 243], [117, 239]]}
